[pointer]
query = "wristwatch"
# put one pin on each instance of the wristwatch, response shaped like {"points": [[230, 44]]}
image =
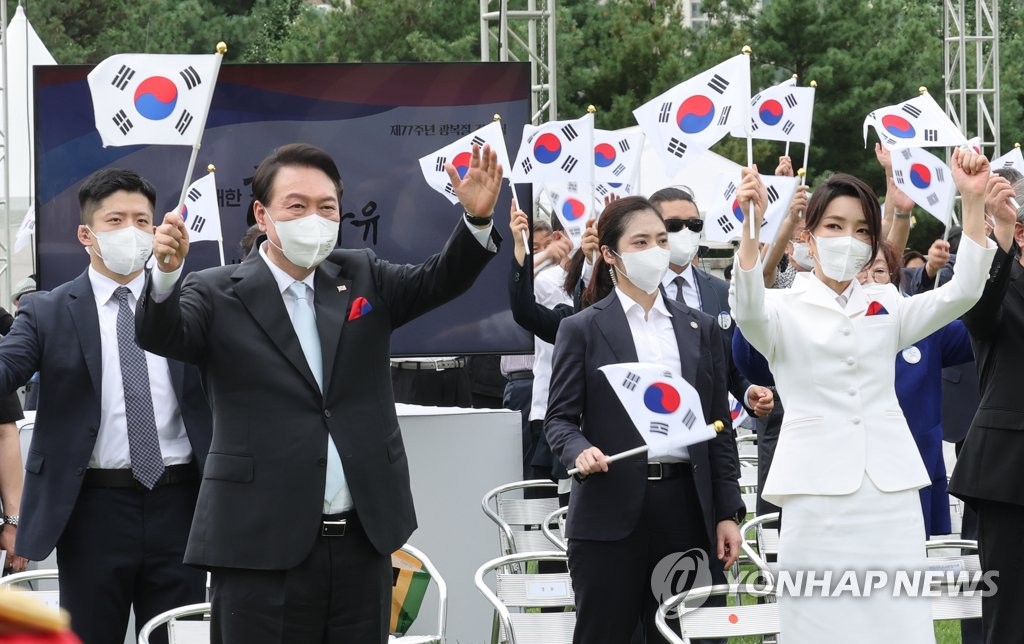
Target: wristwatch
{"points": [[11, 520], [477, 221]]}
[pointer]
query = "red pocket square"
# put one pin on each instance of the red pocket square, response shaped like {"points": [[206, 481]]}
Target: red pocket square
{"points": [[876, 308], [360, 307]]}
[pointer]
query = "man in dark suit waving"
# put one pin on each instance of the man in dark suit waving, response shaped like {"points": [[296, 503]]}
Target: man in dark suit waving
{"points": [[306, 490], [120, 437]]}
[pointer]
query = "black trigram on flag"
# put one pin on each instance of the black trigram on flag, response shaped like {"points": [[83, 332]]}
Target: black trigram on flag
{"points": [[478, 141], [619, 169], [907, 154], [439, 164], [191, 77], [572, 187], [602, 189], [449, 189], [725, 221], [676, 148], [788, 127], [1008, 164], [194, 194], [527, 166], [898, 176], [197, 224], [888, 139], [184, 121], [122, 122], [659, 428], [931, 135], [939, 176], [624, 145], [773, 194], [730, 190], [724, 119], [631, 381], [790, 100], [665, 113], [123, 77], [933, 199], [718, 84], [569, 131], [753, 125], [912, 110], [569, 164], [689, 419]]}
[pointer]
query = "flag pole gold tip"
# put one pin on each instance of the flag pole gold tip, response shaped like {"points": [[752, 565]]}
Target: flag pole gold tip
{"points": [[211, 168], [1016, 145], [814, 83], [746, 51], [922, 90], [591, 109], [719, 426], [801, 172], [795, 76], [222, 48], [496, 117]]}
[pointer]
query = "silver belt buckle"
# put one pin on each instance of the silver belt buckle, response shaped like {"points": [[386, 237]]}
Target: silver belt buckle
{"points": [[658, 476], [440, 365], [333, 528]]}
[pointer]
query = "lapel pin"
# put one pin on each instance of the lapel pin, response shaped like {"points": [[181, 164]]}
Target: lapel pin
{"points": [[693, 323], [342, 288]]}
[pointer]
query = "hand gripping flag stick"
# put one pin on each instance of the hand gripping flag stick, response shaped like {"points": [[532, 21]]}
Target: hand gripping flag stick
{"points": [[717, 426]]}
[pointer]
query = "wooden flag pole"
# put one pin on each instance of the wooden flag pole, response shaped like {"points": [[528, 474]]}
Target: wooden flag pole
{"points": [[222, 49], [526, 238], [750, 144]]}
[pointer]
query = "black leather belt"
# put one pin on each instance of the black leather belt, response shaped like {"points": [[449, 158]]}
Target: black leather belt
{"points": [[337, 525], [431, 365], [661, 471], [185, 473], [519, 375]]}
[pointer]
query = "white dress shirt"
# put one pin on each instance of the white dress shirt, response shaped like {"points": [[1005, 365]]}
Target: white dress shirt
{"points": [[655, 341], [111, 448], [690, 293], [547, 291]]}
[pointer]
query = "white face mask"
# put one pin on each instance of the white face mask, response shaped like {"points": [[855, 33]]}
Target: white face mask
{"points": [[645, 268], [683, 246], [802, 256], [841, 258], [306, 241], [123, 251]]}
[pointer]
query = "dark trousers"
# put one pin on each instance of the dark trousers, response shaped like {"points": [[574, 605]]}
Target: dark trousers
{"points": [[1000, 526], [340, 594], [519, 396], [613, 579], [445, 388], [124, 547], [971, 631]]}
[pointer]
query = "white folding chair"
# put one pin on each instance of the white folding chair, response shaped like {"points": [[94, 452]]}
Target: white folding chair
{"points": [[519, 520], [518, 595], [741, 620], [442, 602], [180, 631], [25, 581], [746, 445], [556, 518]]}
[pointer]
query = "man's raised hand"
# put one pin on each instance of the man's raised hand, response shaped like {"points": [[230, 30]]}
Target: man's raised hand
{"points": [[170, 243], [478, 190]]}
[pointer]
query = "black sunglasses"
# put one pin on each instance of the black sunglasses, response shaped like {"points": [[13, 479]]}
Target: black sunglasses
{"points": [[675, 225]]}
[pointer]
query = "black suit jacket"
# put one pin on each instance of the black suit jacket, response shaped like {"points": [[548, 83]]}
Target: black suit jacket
{"points": [[583, 411], [989, 465], [714, 300], [58, 334], [262, 492]]}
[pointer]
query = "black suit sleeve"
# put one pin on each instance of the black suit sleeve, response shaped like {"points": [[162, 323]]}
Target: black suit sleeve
{"points": [[412, 290], [984, 317], [535, 318], [567, 395], [6, 320], [722, 451], [20, 349], [176, 327]]}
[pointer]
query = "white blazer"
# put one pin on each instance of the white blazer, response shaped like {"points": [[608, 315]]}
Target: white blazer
{"points": [[835, 371]]}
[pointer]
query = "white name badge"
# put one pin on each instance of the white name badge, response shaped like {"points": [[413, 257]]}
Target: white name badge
{"points": [[912, 355]]}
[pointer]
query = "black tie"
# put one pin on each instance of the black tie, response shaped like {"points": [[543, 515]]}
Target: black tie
{"points": [[679, 281]]}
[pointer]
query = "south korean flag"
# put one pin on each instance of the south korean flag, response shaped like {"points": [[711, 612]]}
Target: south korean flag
{"points": [[916, 123], [1011, 159], [459, 154], [925, 179], [783, 112], [557, 151]]}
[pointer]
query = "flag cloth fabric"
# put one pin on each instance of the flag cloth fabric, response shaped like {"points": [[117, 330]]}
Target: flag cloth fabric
{"points": [[199, 210], [158, 99], [26, 230], [783, 112], [459, 154], [725, 217], [925, 179], [1012, 159], [665, 409], [618, 189], [410, 580], [738, 414], [572, 203], [557, 151], [917, 123], [617, 155], [694, 115]]}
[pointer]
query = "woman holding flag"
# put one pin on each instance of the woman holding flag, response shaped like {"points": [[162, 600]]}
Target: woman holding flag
{"points": [[626, 517], [846, 469]]}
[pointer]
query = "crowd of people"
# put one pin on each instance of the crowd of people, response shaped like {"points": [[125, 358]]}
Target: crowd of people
{"points": [[157, 456]]}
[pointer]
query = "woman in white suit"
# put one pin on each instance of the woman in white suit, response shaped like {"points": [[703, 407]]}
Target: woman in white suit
{"points": [[846, 468]]}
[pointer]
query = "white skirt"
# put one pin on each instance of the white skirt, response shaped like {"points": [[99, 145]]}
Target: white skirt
{"points": [[868, 530]]}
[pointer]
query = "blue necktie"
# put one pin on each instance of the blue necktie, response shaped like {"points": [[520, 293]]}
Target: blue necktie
{"points": [[143, 443], [305, 328]]}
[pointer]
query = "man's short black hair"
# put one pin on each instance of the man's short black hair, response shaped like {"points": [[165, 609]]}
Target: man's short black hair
{"points": [[103, 183], [293, 154]]}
